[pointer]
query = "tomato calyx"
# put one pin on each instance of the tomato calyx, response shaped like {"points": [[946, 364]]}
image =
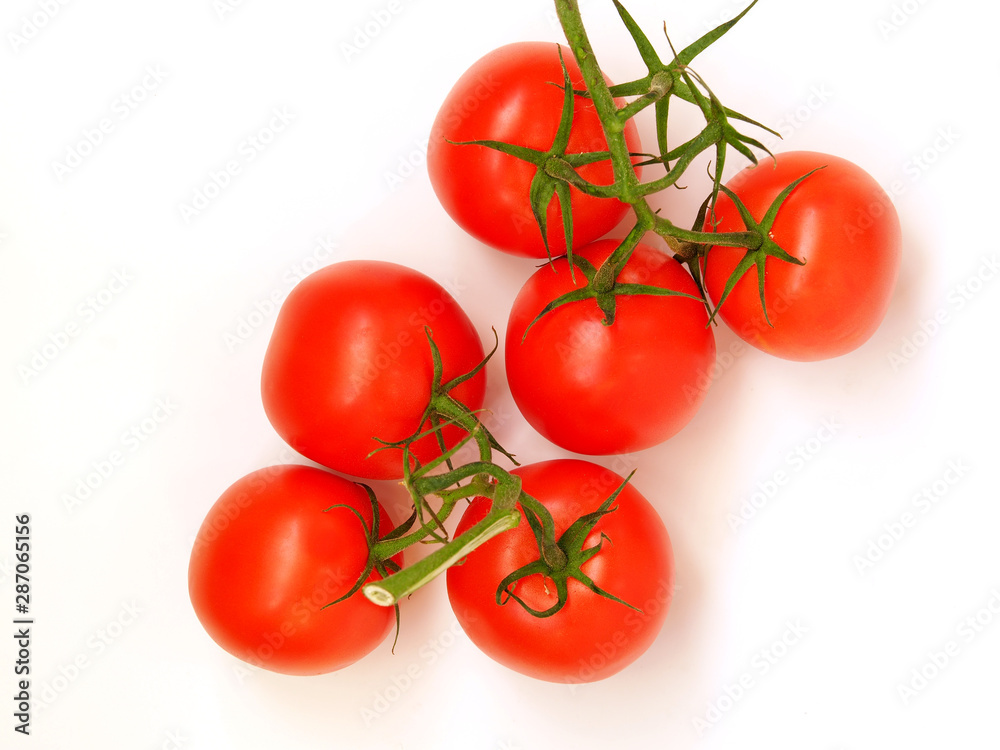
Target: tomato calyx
{"points": [[555, 168], [662, 82], [676, 78], [443, 406], [385, 566], [481, 477], [603, 287], [444, 409], [561, 559], [762, 248]]}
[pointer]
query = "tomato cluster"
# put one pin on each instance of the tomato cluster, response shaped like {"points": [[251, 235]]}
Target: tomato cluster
{"points": [[560, 570]]}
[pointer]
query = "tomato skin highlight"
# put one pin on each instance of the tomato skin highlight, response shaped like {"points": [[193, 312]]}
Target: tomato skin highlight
{"points": [[596, 389], [591, 637], [349, 362], [269, 556], [843, 224], [509, 96]]}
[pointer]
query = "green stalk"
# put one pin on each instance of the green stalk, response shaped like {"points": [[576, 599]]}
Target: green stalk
{"points": [[387, 548], [611, 120], [390, 590], [657, 89], [503, 516], [673, 233]]}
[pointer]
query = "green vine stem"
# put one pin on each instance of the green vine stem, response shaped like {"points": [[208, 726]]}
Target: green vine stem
{"points": [[503, 488], [613, 122], [556, 168], [628, 188], [390, 590], [479, 478], [556, 171]]}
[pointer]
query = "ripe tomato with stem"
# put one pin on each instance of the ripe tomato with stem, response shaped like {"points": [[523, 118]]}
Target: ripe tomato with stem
{"points": [[599, 389], [515, 96], [348, 366], [587, 615], [277, 566], [830, 291]]}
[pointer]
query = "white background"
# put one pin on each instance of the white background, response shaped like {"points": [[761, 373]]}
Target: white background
{"points": [[118, 657]]}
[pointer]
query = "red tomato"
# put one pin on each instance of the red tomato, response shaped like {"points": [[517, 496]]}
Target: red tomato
{"points": [[598, 389], [269, 556], [591, 637], [845, 228], [349, 362], [509, 96]]}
